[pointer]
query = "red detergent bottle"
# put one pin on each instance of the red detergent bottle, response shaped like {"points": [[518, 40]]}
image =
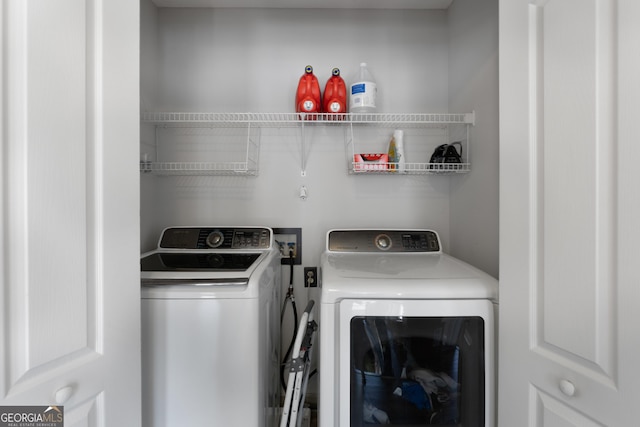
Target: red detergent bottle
{"points": [[308, 98], [335, 94]]}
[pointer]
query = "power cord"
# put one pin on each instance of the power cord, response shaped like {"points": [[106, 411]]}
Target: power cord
{"points": [[289, 297]]}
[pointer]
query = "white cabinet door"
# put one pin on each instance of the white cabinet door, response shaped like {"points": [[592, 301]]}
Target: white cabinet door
{"points": [[70, 325], [569, 210]]}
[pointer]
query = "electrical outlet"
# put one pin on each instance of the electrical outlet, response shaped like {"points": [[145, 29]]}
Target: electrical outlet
{"points": [[310, 277], [287, 240]]}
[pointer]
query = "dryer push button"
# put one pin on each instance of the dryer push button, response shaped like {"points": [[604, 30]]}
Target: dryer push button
{"points": [[422, 242]]}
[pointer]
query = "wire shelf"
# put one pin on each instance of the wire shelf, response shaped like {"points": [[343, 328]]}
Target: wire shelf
{"points": [[252, 122], [410, 168], [199, 168], [295, 119]]}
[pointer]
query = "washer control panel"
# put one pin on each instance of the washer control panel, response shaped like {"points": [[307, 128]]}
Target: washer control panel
{"points": [[383, 241], [216, 238]]}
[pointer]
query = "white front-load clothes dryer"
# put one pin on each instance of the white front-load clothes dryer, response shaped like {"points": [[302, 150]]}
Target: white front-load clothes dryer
{"points": [[210, 328], [407, 333]]}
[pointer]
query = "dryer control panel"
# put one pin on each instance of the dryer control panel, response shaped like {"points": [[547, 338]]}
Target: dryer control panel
{"points": [[369, 240]]}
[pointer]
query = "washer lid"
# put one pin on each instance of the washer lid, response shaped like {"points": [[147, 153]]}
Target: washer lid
{"points": [[198, 261], [201, 265]]}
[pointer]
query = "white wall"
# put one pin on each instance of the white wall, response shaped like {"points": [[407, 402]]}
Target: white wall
{"points": [[151, 221], [250, 60], [473, 85], [244, 60]]}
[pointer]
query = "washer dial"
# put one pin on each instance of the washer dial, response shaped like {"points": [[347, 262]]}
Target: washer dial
{"points": [[215, 239]]}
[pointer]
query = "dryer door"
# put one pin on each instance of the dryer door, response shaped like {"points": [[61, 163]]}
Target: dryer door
{"points": [[416, 362]]}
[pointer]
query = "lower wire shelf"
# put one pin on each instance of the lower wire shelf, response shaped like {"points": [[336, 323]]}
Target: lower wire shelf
{"points": [[199, 168], [409, 168]]}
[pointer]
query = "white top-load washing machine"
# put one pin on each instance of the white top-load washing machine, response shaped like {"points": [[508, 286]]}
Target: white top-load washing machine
{"points": [[210, 328], [407, 333]]}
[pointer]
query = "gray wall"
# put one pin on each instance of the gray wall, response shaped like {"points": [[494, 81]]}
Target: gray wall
{"points": [[473, 85], [250, 60]]}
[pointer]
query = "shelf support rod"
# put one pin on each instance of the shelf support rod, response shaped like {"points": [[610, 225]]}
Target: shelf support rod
{"points": [[351, 142], [303, 154]]}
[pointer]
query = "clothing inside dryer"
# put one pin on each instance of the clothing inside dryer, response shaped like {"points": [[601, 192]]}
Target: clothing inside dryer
{"points": [[417, 371]]}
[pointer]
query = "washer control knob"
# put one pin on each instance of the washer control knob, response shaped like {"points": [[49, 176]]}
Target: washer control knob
{"points": [[215, 239], [383, 242]]}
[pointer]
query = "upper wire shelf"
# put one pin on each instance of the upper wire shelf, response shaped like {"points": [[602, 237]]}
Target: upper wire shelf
{"points": [[255, 121]]}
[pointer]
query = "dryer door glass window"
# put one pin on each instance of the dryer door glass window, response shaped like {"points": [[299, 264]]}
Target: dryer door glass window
{"points": [[417, 371]]}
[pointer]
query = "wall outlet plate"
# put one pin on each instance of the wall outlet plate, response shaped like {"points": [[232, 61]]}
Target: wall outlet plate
{"points": [[310, 277], [284, 237]]}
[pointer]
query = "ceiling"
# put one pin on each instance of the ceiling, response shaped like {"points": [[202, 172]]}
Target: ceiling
{"points": [[310, 4]]}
